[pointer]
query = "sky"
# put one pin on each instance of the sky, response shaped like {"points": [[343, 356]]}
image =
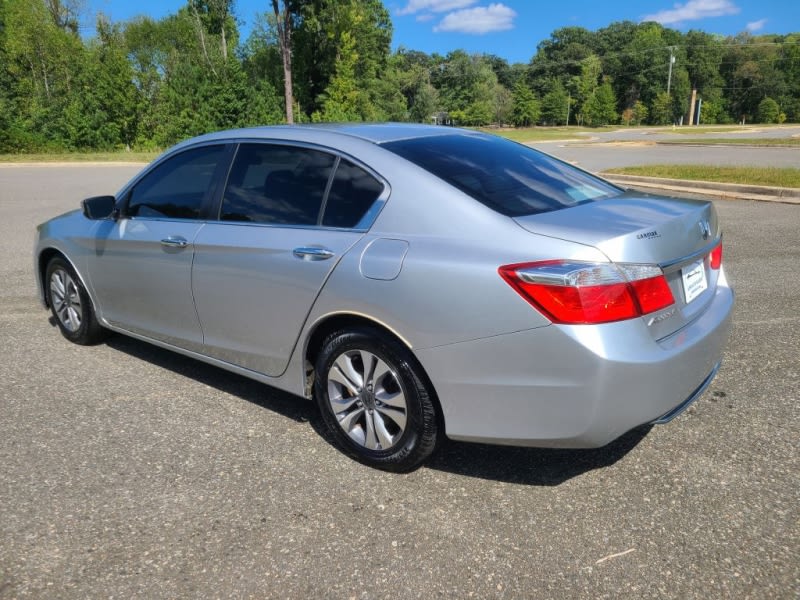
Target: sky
{"points": [[513, 28]]}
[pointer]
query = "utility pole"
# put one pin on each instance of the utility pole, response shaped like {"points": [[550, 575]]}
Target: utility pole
{"points": [[671, 62]]}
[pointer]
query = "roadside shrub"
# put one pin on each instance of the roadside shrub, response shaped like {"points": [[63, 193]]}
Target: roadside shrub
{"points": [[768, 111]]}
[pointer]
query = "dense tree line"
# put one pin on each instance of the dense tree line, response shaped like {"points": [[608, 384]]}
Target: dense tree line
{"points": [[148, 83]]}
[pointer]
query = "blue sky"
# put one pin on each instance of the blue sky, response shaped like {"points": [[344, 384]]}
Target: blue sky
{"points": [[513, 28]]}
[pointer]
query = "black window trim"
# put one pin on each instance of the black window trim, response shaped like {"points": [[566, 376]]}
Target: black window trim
{"points": [[363, 225]]}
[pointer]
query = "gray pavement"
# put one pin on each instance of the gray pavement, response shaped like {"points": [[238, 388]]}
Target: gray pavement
{"points": [[650, 134], [602, 156], [128, 471], [600, 150]]}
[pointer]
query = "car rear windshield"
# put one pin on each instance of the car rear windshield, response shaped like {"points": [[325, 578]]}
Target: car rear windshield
{"points": [[507, 177]]}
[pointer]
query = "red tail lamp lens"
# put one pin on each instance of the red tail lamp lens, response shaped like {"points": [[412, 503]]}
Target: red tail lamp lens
{"points": [[715, 260], [589, 293]]}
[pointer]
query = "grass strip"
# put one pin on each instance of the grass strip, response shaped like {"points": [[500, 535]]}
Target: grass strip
{"points": [[694, 130], [778, 142], [772, 176], [542, 134], [138, 157]]}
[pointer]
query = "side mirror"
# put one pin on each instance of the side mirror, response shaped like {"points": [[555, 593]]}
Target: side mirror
{"points": [[99, 207]]}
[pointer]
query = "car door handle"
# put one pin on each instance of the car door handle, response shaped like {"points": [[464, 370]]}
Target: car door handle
{"points": [[312, 253], [174, 241]]}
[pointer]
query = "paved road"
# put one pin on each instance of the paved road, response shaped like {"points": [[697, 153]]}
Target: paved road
{"points": [[649, 134], [639, 149], [127, 471]]}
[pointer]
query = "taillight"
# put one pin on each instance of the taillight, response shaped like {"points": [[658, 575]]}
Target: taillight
{"points": [[715, 259], [572, 292]]}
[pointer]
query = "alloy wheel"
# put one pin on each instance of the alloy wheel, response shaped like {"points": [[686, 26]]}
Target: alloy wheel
{"points": [[367, 399], [66, 300]]}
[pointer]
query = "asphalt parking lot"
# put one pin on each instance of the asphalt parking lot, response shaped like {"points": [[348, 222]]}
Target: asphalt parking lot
{"points": [[127, 471]]}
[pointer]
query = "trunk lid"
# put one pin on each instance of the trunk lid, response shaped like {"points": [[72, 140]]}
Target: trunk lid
{"points": [[674, 233]]}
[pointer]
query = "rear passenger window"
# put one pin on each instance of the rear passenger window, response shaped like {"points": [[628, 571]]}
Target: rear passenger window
{"points": [[176, 188], [352, 193], [276, 184]]}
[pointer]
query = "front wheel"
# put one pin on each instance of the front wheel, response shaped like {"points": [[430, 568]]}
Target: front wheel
{"points": [[70, 304], [374, 400]]}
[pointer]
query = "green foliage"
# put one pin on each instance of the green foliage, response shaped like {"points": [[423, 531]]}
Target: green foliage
{"points": [[147, 83], [527, 110], [661, 109], [768, 111], [343, 100], [586, 84], [639, 113], [554, 105], [600, 106]]}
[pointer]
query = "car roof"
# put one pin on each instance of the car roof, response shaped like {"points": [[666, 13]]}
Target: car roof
{"points": [[377, 133]]}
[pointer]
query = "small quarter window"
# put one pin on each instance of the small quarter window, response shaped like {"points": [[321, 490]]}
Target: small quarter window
{"points": [[352, 193], [176, 188], [276, 184]]}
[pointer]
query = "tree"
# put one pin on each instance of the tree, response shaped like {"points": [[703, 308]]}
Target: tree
{"points": [[317, 42], [103, 111], [343, 100], [600, 107], [468, 88], [559, 58], [768, 111], [661, 109], [585, 85], [426, 102], [283, 27], [639, 113], [526, 109], [554, 105]]}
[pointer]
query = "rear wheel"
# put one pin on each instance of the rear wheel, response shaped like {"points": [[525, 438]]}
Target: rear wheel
{"points": [[374, 401], [70, 304]]}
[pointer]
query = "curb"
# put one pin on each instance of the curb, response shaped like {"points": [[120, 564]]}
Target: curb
{"points": [[762, 193]]}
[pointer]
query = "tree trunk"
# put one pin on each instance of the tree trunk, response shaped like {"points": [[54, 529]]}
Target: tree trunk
{"points": [[202, 39], [283, 23], [224, 43]]}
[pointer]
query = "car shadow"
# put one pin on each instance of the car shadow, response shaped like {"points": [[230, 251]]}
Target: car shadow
{"points": [[530, 466], [527, 466], [278, 401]]}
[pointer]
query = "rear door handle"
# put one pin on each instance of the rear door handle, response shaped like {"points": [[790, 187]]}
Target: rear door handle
{"points": [[312, 253], [174, 241]]}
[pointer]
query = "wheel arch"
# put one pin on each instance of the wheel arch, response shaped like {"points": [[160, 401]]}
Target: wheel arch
{"points": [[45, 256], [343, 321]]}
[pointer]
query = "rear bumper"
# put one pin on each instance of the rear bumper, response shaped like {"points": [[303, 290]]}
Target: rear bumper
{"points": [[575, 386], [666, 418]]}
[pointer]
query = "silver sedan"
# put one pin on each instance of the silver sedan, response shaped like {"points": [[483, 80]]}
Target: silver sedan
{"points": [[416, 282]]}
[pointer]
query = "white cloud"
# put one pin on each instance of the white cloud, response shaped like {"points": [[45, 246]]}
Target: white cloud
{"points": [[415, 6], [693, 10], [754, 26], [479, 20], [425, 17]]}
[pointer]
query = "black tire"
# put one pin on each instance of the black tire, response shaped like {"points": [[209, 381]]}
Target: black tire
{"points": [[70, 304], [392, 377]]}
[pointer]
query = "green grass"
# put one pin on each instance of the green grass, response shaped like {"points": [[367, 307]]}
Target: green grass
{"points": [[140, 157], [542, 134], [687, 130], [780, 177], [782, 142]]}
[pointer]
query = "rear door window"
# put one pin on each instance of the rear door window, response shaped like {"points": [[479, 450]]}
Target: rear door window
{"points": [[276, 184], [510, 178]]}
